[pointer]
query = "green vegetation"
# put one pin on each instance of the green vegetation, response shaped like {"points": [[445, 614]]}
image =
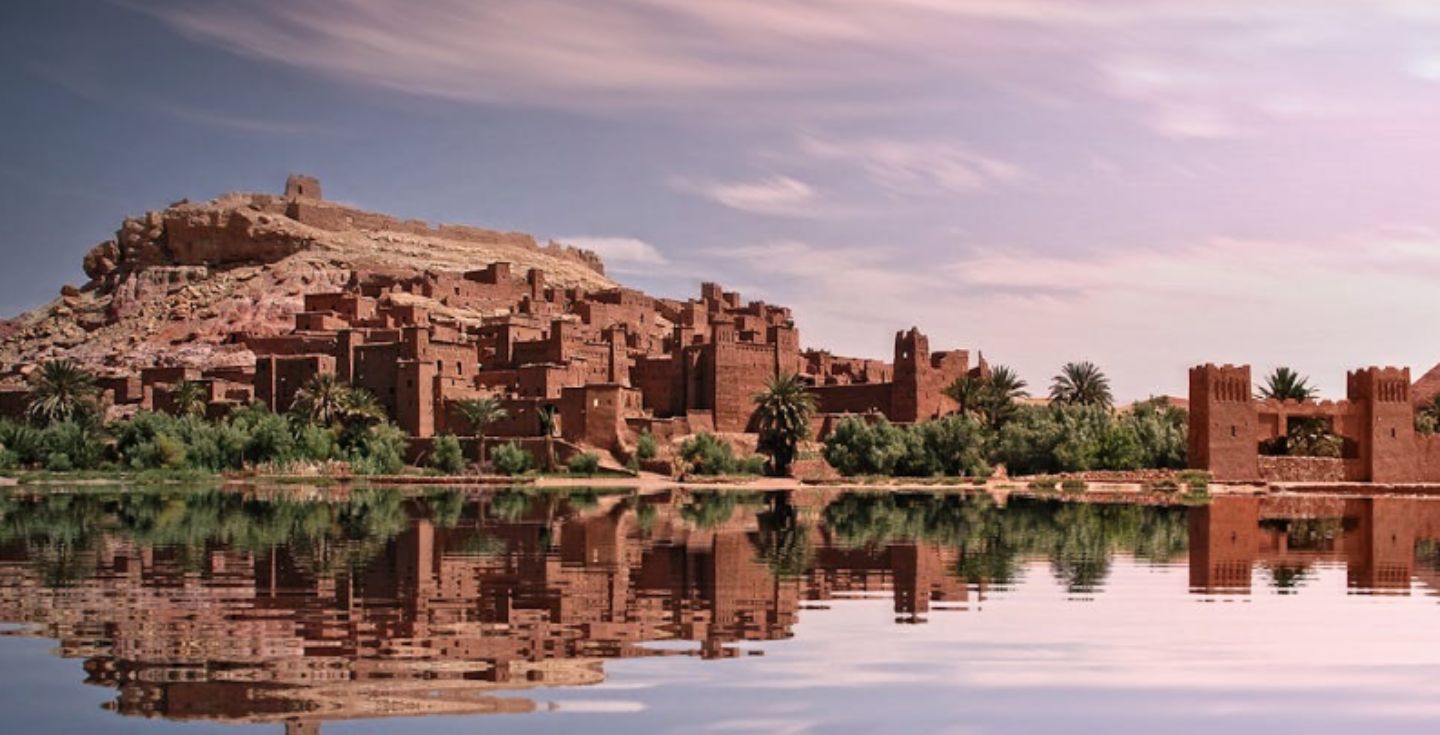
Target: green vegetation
{"points": [[585, 463], [330, 421], [62, 530], [1065, 436], [1427, 416], [1081, 384], [61, 392], [706, 454], [952, 445], [1305, 437], [990, 398], [446, 455], [1285, 384], [189, 398], [480, 413], [783, 410], [510, 459], [645, 447], [1079, 539]]}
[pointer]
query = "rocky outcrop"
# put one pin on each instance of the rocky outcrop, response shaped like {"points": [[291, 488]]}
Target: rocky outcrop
{"points": [[174, 285]]}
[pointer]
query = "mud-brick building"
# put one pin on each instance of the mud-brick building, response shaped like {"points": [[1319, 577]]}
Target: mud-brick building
{"points": [[1375, 422]]}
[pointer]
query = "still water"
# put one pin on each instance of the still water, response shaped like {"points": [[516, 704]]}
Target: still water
{"points": [[305, 611]]}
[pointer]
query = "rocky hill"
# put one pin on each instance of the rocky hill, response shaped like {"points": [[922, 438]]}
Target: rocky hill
{"points": [[175, 285]]}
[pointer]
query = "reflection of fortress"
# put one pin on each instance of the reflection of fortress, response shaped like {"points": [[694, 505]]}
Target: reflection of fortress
{"points": [[1374, 537], [440, 620], [456, 617]]}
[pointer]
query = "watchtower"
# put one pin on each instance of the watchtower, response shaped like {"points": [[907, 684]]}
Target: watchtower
{"points": [[1387, 436], [298, 186], [912, 371], [1223, 423]]}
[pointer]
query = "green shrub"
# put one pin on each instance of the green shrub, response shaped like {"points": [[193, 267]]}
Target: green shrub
{"points": [[446, 455], [1073, 486], [586, 463], [1041, 486], [58, 462], [1195, 480], [706, 454], [510, 459], [755, 464], [645, 446], [379, 450], [953, 445], [80, 441]]}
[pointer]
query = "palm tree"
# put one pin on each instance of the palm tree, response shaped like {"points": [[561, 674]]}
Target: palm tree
{"points": [[1287, 385], [358, 406], [480, 413], [188, 398], [1082, 384], [322, 400], [783, 410], [967, 390], [61, 391], [546, 420], [1002, 389]]}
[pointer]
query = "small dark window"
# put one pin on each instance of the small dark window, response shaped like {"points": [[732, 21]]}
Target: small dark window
{"points": [[1234, 432], [1392, 432]]}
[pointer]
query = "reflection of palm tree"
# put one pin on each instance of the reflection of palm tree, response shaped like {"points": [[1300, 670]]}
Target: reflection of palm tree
{"points": [[784, 543], [1288, 577]]}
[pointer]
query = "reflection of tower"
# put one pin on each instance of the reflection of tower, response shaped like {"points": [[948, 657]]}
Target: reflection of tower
{"points": [[1382, 555], [302, 727], [1224, 541]]}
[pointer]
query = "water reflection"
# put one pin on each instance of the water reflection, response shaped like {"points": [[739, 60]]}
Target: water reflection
{"points": [[301, 606]]}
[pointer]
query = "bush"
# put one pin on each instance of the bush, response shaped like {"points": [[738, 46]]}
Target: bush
{"points": [[1070, 438], [953, 445], [80, 441], [379, 450], [446, 455], [587, 463], [58, 462], [645, 446], [1073, 486], [707, 454], [510, 459]]}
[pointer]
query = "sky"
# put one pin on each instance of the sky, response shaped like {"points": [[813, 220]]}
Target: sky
{"points": [[1146, 184]]}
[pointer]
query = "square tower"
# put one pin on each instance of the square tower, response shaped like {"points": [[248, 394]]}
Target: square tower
{"points": [[1223, 423], [1387, 435]]}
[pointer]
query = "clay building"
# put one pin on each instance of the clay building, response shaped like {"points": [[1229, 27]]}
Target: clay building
{"points": [[1375, 423], [610, 362]]}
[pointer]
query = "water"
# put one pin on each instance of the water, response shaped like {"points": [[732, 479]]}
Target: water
{"points": [[305, 611]]}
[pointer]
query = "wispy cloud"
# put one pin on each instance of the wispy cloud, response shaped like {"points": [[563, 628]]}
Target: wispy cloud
{"points": [[772, 195], [621, 254], [910, 166]]}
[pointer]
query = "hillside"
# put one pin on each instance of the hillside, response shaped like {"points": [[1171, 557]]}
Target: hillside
{"points": [[174, 285]]}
